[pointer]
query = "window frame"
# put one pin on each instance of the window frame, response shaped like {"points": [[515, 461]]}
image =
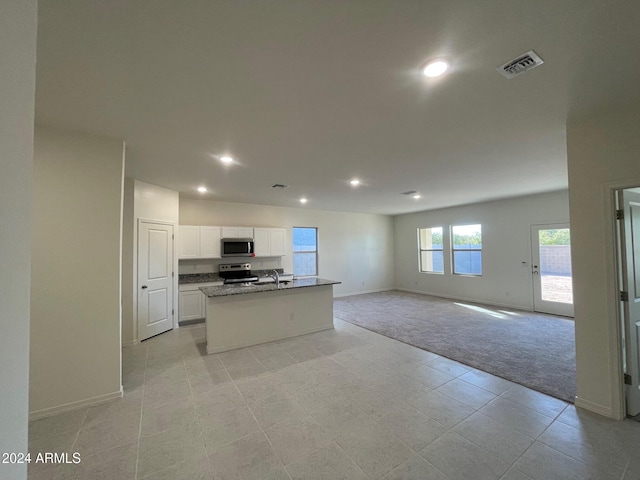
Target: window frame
{"points": [[305, 252], [454, 250], [421, 250]]}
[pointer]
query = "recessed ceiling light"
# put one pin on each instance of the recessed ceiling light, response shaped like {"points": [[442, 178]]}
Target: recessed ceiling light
{"points": [[202, 189], [303, 200], [435, 68], [226, 159], [355, 182], [417, 196]]}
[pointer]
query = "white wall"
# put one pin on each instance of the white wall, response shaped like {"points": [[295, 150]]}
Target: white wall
{"points": [[75, 286], [148, 202], [355, 249], [603, 153], [17, 94], [506, 248]]}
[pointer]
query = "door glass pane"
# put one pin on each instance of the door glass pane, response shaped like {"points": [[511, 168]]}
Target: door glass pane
{"points": [[555, 265]]}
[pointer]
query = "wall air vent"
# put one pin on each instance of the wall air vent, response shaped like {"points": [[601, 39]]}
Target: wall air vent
{"points": [[409, 192], [523, 63], [279, 185]]}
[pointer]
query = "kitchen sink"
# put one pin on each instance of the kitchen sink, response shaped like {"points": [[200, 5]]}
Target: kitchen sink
{"points": [[284, 278]]}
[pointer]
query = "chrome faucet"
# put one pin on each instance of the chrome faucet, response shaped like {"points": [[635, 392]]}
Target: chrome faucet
{"points": [[276, 277]]}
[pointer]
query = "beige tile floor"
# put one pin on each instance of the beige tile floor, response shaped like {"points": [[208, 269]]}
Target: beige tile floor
{"points": [[342, 404]]}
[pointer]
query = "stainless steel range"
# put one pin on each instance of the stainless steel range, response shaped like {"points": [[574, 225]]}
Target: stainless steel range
{"points": [[237, 274]]}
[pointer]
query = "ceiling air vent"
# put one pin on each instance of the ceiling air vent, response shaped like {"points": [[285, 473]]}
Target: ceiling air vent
{"points": [[410, 192], [523, 63], [279, 185]]}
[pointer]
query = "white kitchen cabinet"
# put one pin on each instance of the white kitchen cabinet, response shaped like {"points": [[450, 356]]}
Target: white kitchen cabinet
{"points": [[192, 302], [237, 232], [269, 242], [210, 242], [277, 241], [198, 241], [191, 305], [261, 242], [188, 241]]}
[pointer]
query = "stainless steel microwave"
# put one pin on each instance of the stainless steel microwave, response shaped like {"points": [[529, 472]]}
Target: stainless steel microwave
{"points": [[237, 247]]}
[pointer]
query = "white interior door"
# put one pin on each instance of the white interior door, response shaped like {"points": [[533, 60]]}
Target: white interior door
{"points": [[551, 269], [629, 203], [155, 278]]}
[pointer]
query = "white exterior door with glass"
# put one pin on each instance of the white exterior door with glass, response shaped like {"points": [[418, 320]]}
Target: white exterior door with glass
{"points": [[551, 269]]}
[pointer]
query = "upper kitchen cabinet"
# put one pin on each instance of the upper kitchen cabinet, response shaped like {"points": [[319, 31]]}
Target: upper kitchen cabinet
{"points": [[237, 232], [269, 242], [198, 241], [188, 241], [210, 242]]}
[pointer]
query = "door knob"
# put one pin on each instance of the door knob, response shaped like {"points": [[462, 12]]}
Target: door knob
{"points": [[144, 286]]}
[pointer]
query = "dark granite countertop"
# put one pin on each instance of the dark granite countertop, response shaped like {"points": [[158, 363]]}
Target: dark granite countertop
{"points": [[224, 290]]}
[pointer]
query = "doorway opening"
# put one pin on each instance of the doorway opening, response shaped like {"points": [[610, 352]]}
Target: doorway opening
{"points": [[628, 279]]}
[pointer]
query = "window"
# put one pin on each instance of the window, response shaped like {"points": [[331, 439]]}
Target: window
{"points": [[430, 245], [466, 249], [305, 251]]}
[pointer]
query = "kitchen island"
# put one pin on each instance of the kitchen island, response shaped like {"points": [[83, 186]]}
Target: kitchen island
{"points": [[241, 316]]}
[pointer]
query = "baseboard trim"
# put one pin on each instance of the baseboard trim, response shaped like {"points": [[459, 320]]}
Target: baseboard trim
{"points": [[251, 344], [130, 343], [364, 292], [465, 299], [190, 322], [594, 407], [68, 407]]}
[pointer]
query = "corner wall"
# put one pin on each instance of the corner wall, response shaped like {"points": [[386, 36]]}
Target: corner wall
{"points": [[75, 288], [355, 249], [18, 23], [506, 251], [603, 154]]}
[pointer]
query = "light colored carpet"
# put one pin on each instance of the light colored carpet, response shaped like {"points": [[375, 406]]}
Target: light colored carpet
{"points": [[534, 350]]}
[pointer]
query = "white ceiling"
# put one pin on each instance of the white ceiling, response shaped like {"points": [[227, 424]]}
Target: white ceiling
{"points": [[314, 93]]}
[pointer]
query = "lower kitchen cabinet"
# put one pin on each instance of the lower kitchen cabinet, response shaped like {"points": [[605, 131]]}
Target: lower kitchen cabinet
{"points": [[192, 302]]}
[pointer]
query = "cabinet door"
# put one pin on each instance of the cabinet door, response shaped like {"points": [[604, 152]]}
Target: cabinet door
{"points": [[277, 241], [188, 241], [245, 232], [209, 242], [230, 232], [191, 305], [262, 242], [237, 232]]}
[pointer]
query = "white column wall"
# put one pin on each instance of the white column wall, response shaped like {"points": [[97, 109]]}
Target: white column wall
{"points": [[17, 95], [603, 154], [75, 285]]}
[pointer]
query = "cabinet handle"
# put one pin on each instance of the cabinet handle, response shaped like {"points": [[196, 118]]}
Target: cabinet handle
{"points": [[143, 286]]}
